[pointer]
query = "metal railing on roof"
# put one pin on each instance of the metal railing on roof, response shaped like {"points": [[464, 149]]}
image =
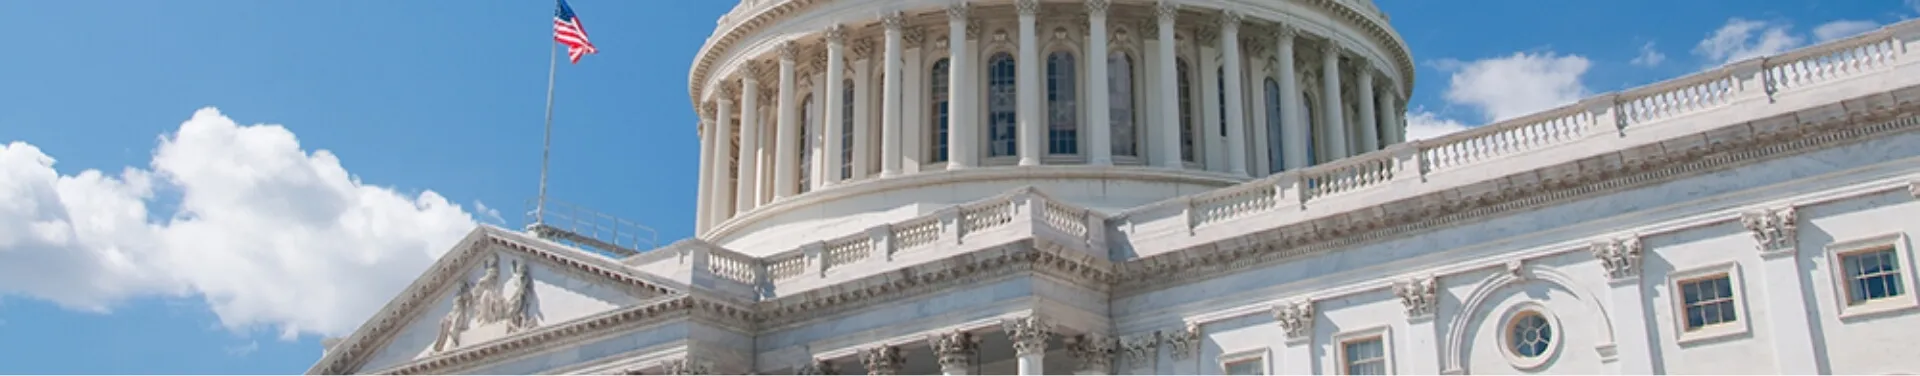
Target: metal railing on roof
{"points": [[588, 229]]}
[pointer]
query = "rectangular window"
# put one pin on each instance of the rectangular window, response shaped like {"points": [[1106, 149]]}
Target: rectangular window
{"points": [[1872, 275], [1246, 367], [1365, 356], [1708, 301]]}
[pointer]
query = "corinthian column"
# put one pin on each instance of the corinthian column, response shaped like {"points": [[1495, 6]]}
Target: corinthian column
{"points": [[750, 151], [722, 188], [1027, 79], [1369, 122], [1169, 95], [1236, 110], [883, 360], [955, 351], [703, 213], [836, 36], [962, 129], [1294, 135], [786, 165], [1330, 96], [1099, 121], [1029, 335], [890, 97]]}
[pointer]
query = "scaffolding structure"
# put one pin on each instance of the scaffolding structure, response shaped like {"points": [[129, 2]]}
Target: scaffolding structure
{"points": [[588, 229]]}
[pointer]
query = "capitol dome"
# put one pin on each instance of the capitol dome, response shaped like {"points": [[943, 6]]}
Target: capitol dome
{"points": [[1247, 88]]}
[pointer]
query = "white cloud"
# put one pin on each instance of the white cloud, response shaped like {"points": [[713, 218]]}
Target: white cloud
{"points": [[1649, 57], [1742, 39], [1523, 83], [267, 233], [1842, 29], [1422, 124], [488, 213]]}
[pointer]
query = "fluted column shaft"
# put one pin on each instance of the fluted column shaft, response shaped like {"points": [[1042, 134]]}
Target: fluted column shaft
{"points": [[1390, 117], [1236, 108], [1099, 104], [1027, 78], [890, 97], [721, 192], [863, 129], [1369, 122], [750, 150], [835, 115], [1330, 93], [1169, 135], [963, 129], [786, 165], [703, 209], [1294, 135]]}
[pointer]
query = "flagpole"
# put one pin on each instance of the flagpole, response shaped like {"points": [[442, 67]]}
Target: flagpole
{"points": [[546, 145]]}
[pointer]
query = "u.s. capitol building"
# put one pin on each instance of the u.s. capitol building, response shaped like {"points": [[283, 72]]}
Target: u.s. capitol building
{"points": [[1209, 187]]}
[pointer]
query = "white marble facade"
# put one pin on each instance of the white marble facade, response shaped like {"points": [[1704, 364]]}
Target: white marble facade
{"points": [[1754, 218]]}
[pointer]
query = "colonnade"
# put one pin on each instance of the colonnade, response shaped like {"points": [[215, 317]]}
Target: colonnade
{"points": [[1292, 110]]}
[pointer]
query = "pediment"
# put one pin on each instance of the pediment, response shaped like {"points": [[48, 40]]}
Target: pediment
{"points": [[495, 284]]}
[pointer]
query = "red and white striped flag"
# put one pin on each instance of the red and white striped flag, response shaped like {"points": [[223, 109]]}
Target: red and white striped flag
{"points": [[568, 31]]}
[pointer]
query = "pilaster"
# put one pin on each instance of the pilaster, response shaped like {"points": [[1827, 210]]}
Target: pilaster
{"points": [[1421, 297], [1633, 347], [1296, 320], [1776, 235]]}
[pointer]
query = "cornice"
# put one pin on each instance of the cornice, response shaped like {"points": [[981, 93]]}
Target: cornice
{"points": [[1445, 208], [727, 36], [684, 306], [1035, 255]]}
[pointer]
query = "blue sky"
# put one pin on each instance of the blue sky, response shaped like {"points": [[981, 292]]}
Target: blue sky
{"points": [[214, 241]]}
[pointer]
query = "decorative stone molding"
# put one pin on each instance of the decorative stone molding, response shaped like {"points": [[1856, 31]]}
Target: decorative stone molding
{"points": [[861, 49], [973, 29], [1166, 11], [912, 37], [954, 350], [1185, 342], [1774, 229], [729, 90], [1027, 7], [1098, 7], [685, 366], [1620, 256], [1139, 350], [1419, 295], [1094, 353], [1207, 35], [1029, 334], [1295, 318], [818, 367], [883, 360], [789, 51], [893, 20]]}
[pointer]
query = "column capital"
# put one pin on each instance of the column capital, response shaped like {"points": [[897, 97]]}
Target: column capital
{"points": [[728, 90], [1230, 20], [1296, 318], [1420, 296], [1140, 349], [882, 360], [1029, 334], [1774, 229], [1166, 10], [1285, 33], [1360, 66], [836, 34], [1094, 352], [1027, 7], [1098, 7], [955, 350], [1620, 256], [1330, 49], [817, 366], [1185, 340], [789, 50], [684, 366], [957, 11], [893, 20]]}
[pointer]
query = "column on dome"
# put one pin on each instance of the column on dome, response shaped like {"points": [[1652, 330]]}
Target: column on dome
{"points": [[786, 165], [963, 128], [1331, 110], [1294, 134], [1208, 148], [1369, 120], [1029, 335], [702, 208], [1235, 107], [863, 126], [836, 65], [1027, 85], [1260, 148], [890, 96], [1389, 128], [1099, 105], [1169, 107], [955, 351], [748, 196], [721, 192]]}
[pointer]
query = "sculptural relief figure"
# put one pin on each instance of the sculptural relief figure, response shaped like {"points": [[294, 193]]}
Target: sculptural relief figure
{"points": [[487, 299], [521, 313], [456, 319]]}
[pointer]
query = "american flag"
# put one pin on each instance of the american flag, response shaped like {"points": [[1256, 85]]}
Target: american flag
{"points": [[568, 31]]}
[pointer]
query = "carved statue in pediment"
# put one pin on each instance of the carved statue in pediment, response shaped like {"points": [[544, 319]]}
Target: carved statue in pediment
{"points": [[521, 313], [491, 300], [487, 297], [456, 319]]}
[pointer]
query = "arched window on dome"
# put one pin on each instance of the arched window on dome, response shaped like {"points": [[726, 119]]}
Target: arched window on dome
{"points": [[1276, 158], [807, 124], [1316, 127], [1186, 111], [1063, 111], [1002, 106], [1120, 104], [846, 129], [938, 80], [1220, 96]]}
